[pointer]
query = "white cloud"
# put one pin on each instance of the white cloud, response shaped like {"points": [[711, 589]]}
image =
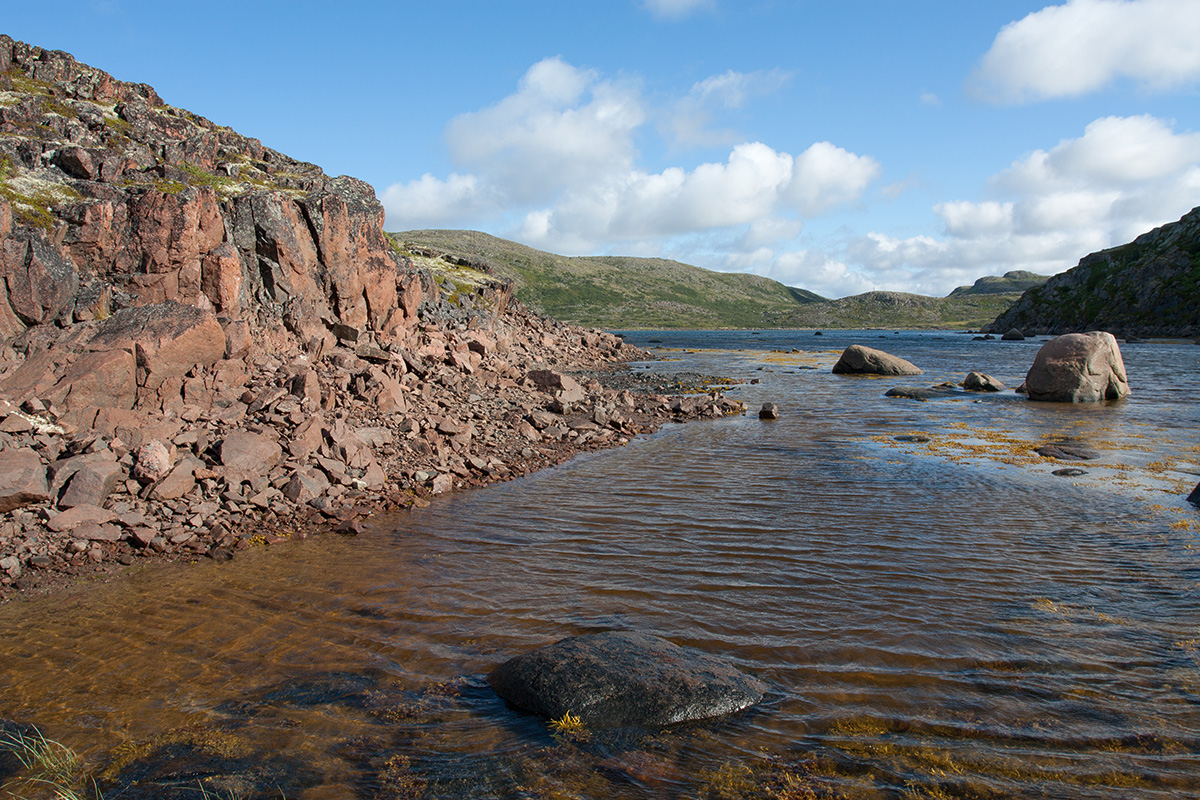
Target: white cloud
{"points": [[826, 175], [973, 220], [1084, 45], [1113, 152], [687, 122], [677, 9], [430, 201], [756, 186], [1122, 177], [558, 157], [562, 126]]}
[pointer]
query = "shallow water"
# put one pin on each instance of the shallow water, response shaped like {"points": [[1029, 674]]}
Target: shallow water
{"points": [[938, 618]]}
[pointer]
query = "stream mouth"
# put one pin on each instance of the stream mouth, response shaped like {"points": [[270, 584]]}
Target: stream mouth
{"points": [[936, 613]]}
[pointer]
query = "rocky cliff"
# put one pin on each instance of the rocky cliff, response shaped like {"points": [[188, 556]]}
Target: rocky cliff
{"points": [[1149, 287], [203, 340]]}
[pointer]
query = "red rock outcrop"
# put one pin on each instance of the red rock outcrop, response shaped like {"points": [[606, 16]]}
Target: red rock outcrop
{"points": [[204, 343]]}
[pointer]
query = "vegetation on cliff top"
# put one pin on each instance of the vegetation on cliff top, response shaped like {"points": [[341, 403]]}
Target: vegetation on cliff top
{"points": [[617, 292], [1149, 287]]}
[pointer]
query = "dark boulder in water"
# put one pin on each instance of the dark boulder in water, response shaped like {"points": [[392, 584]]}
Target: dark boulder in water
{"points": [[1069, 472], [1194, 497], [922, 393], [623, 678], [769, 411], [1067, 452]]}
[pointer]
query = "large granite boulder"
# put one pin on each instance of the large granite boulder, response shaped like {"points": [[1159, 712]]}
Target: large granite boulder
{"points": [[859, 360], [1078, 368], [623, 678]]}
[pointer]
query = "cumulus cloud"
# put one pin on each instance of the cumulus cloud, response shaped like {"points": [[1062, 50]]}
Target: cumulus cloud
{"points": [[825, 175], [677, 9], [555, 165], [1122, 177], [1084, 45], [756, 185], [562, 126]]}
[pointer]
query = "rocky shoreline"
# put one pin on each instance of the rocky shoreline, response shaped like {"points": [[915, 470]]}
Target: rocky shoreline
{"points": [[281, 460], [207, 345]]}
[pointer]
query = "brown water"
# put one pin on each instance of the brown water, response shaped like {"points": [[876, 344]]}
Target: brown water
{"points": [[935, 619]]}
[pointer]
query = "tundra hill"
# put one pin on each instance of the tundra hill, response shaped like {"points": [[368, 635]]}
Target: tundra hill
{"points": [[1149, 287], [1014, 282], [617, 292], [898, 310], [613, 291]]}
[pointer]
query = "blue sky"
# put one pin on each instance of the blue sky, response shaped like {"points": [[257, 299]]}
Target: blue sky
{"points": [[839, 147]]}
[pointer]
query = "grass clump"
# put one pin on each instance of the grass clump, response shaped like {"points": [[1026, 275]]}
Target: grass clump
{"points": [[32, 200], [49, 766], [568, 725]]}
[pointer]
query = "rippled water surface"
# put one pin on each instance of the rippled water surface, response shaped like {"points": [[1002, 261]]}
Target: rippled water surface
{"points": [[940, 618]]}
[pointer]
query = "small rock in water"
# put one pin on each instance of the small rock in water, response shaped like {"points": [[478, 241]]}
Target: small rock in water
{"points": [[1067, 452], [920, 393], [1069, 472], [911, 437], [623, 678], [769, 411], [1194, 497]]}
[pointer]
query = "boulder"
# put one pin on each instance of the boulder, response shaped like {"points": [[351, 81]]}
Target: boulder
{"points": [[91, 484], [769, 411], [179, 481], [1013, 335], [921, 393], [623, 678], [859, 360], [982, 382], [168, 339], [1194, 497], [22, 479], [1065, 451], [1078, 368], [151, 462], [72, 518], [251, 453]]}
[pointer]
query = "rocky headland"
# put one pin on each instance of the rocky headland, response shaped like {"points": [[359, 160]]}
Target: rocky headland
{"points": [[207, 345], [1149, 287]]}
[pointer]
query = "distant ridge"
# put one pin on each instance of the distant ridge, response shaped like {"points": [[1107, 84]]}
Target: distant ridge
{"points": [[1016, 281], [617, 292], [1149, 287]]}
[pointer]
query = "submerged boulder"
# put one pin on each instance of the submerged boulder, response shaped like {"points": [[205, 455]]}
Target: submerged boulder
{"points": [[982, 382], [1078, 368], [623, 678], [859, 360], [942, 391]]}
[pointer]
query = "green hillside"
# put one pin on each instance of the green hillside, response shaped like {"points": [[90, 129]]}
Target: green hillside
{"points": [[616, 292], [1148, 287]]}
